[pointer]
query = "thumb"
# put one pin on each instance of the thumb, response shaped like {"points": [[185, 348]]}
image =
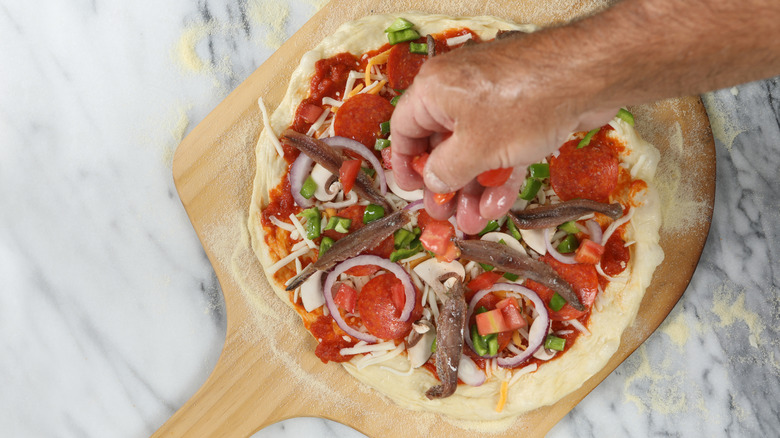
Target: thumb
{"points": [[453, 163]]}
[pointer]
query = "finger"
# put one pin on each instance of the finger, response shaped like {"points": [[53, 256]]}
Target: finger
{"points": [[438, 211], [467, 215], [455, 162], [412, 123], [406, 177], [496, 201]]}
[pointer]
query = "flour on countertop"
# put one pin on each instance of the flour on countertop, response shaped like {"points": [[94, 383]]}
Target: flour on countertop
{"points": [[676, 328], [272, 16], [729, 305]]}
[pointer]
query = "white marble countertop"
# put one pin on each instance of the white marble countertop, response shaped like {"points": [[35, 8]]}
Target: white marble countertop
{"points": [[111, 316]]}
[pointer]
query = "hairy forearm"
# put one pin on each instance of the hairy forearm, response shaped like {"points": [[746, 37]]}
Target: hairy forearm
{"points": [[645, 50]]}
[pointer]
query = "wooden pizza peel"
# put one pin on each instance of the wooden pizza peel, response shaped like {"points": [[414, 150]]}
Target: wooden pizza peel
{"points": [[266, 375]]}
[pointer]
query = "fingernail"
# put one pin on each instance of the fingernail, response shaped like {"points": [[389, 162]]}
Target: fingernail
{"points": [[434, 183]]}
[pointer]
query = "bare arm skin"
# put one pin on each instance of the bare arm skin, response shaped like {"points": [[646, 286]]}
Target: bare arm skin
{"points": [[509, 103]]}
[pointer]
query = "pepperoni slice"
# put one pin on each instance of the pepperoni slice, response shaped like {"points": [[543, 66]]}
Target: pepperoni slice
{"points": [[583, 279], [590, 172], [403, 66], [359, 118], [379, 311], [616, 255]]}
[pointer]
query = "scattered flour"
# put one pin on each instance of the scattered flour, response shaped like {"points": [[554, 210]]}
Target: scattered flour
{"points": [[186, 48], [729, 305], [272, 16], [676, 328], [655, 387]]}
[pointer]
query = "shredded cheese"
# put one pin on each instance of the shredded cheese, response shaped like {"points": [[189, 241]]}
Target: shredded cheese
{"points": [[374, 88], [299, 245], [354, 91], [317, 123], [268, 130], [514, 349], [284, 261], [522, 371], [454, 41], [578, 325], [330, 101], [301, 231], [376, 60], [398, 373], [298, 268], [283, 225], [367, 348], [502, 397], [374, 358]]}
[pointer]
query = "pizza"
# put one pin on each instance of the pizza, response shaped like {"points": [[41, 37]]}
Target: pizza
{"points": [[476, 327]]}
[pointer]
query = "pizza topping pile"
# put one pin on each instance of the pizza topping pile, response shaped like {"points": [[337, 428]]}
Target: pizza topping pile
{"points": [[375, 277]]}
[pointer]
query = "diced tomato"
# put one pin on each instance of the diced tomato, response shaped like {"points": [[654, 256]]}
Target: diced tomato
{"points": [[362, 270], [483, 281], [387, 154], [589, 252], [418, 163], [491, 322], [509, 301], [495, 177], [436, 238], [443, 198], [348, 174], [511, 312], [346, 297], [310, 113], [423, 218]]}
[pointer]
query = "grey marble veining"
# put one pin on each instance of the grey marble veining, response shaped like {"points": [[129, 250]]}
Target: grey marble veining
{"points": [[111, 316]]}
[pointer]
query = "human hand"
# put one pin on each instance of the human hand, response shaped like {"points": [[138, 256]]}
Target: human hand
{"points": [[504, 104]]}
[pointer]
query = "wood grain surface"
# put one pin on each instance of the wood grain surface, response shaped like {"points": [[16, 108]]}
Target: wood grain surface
{"points": [[265, 374]]}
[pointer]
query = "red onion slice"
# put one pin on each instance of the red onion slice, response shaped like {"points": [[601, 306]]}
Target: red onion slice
{"points": [[299, 171], [360, 149], [594, 229], [569, 260], [473, 303], [414, 206], [385, 264], [538, 331]]}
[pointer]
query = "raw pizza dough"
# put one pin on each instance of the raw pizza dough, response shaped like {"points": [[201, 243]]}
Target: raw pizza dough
{"points": [[614, 309]]}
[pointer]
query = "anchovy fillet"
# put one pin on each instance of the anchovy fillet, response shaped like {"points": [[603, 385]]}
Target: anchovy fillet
{"points": [[332, 160], [367, 237], [507, 259], [449, 342], [553, 215]]}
